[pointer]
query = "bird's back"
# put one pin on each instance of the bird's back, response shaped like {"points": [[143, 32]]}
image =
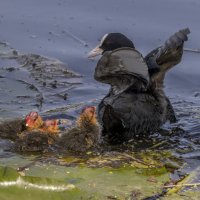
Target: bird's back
{"points": [[131, 114]]}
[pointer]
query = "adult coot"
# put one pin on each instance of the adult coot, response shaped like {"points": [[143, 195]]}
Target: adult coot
{"points": [[136, 103]]}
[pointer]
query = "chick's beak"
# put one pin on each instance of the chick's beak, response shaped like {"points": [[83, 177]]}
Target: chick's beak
{"points": [[28, 122], [95, 52]]}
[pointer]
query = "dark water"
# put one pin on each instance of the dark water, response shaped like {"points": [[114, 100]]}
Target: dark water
{"points": [[66, 30]]}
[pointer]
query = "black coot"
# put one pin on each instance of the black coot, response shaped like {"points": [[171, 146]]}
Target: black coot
{"points": [[136, 103]]}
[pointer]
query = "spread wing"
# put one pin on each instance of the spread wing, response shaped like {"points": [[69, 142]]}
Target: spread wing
{"points": [[122, 68], [165, 57]]}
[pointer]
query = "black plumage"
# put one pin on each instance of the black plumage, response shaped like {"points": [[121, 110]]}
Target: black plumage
{"points": [[136, 103]]}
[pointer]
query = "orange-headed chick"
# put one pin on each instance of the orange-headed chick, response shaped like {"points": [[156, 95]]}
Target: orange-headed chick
{"points": [[38, 135], [86, 133], [33, 121], [11, 129], [87, 118], [51, 126]]}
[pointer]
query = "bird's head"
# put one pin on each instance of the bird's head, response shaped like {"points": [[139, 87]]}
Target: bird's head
{"points": [[51, 126], [110, 42], [87, 116], [33, 121]]}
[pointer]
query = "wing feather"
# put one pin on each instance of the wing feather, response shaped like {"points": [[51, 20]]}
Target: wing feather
{"points": [[123, 68], [165, 57]]}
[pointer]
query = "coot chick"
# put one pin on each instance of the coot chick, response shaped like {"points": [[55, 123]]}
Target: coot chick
{"points": [[35, 135], [30, 134], [39, 135], [136, 103], [33, 121], [11, 128], [85, 135]]}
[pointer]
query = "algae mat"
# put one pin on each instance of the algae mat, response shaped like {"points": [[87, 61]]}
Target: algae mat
{"points": [[56, 182]]}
